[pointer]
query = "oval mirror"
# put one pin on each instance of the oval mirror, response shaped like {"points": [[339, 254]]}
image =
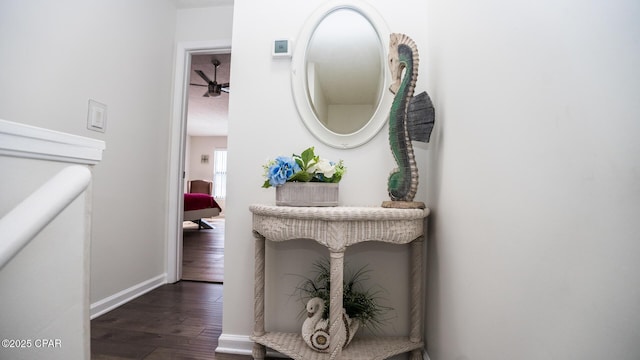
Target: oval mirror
{"points": [[339, 76]]}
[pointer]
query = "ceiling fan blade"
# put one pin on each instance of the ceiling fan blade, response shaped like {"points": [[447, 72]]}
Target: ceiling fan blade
{"points": [[198, 85], [225, 89], [206, 94], [225, 85], [203, 76]]}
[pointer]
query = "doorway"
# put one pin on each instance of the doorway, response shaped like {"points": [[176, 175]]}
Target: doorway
{"points": [[179, 148], [207, 123]]}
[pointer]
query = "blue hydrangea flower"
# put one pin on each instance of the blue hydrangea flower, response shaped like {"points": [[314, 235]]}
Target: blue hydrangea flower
{"points": [[282, 169]]}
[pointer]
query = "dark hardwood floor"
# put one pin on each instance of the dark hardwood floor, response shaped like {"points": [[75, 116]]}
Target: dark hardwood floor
{"points": [[203, 252], [175, 321]]}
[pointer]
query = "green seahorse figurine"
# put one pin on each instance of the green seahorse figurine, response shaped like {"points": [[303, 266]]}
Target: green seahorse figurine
{"points": [[411, 119]]}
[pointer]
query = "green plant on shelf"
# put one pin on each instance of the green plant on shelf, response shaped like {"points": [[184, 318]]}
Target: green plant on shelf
{"points": [[306, 167], [359, 303]]}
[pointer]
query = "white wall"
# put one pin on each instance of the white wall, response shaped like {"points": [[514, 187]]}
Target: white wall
{"points": [[203, 145], [204, 23], [54, 57], [346, 119], [535, 182], [264, 124]]}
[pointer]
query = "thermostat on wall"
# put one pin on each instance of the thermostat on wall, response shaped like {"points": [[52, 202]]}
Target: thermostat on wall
{"points": [[281, 48]]}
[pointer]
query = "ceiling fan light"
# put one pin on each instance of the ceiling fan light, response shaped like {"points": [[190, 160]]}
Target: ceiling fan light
{"points": [[214, 88]]}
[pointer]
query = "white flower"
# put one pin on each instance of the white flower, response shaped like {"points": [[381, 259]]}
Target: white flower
{"points": [[324, 167]]}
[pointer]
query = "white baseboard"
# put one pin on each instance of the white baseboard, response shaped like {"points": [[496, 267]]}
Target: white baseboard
{"points": [[234, 344], [109, 303], [240, 345]]}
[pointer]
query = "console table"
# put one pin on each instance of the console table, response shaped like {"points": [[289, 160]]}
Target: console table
{"points": [[336, 228]]}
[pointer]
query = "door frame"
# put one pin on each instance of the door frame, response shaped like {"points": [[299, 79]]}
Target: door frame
{"points": [[175, 206]]}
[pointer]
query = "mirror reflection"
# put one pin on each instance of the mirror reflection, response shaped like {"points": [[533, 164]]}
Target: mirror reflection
{"points": [[344, 71]]}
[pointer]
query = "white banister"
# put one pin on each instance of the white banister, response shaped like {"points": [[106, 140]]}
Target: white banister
{"points": [[29, 217]]}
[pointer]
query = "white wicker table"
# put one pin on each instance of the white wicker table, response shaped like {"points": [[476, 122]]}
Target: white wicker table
{"points": [[337, 228]]}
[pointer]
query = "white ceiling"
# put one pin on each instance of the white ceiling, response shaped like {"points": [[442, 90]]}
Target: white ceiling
{"points": [[208, 116]]}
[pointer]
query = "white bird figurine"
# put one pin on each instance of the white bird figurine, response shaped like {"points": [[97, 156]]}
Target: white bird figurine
{"points": [[315, 329]]}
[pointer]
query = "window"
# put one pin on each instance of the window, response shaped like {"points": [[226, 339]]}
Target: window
{"points": [[220, 174]]}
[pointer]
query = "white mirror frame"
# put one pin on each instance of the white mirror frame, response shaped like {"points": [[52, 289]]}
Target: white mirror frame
{"points": [[299, 83]]}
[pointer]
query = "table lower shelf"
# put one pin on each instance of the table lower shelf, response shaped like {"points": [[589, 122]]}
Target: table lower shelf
{"points": [[366, 348]]}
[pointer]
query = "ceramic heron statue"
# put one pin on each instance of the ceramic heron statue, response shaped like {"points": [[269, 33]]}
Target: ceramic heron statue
{"points": [[411, 119]]}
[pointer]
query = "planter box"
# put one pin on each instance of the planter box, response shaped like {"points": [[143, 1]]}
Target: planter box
{"points": [[307, 194]]}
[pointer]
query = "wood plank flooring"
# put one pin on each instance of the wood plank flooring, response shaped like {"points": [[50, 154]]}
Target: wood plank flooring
{"points": [[203, 252], [175, 321]]}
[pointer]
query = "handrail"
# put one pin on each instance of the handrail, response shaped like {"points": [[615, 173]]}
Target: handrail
{"points": [[27, 219]]}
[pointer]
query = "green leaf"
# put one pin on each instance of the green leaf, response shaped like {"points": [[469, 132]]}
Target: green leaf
{"points": [[307, 154], [301, 176], [308, 158]]}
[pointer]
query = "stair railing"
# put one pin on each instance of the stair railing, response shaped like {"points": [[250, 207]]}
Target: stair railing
{"points": [[28, 218]]}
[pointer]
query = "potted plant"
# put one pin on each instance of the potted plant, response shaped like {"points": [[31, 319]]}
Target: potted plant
{"points": [[361, 306], [304, 180]]}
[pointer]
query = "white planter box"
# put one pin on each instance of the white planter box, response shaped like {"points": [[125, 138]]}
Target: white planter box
{"points": [[307, 194]]}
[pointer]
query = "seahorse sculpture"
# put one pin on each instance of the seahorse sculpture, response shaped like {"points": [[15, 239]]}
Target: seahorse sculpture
{"points": [[411, 119]]}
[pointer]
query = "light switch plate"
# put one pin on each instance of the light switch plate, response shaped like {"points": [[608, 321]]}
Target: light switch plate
{"points": [[97, 117]]}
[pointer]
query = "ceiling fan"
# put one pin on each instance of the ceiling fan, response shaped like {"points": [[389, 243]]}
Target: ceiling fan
{"points": [[214, 89]]}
